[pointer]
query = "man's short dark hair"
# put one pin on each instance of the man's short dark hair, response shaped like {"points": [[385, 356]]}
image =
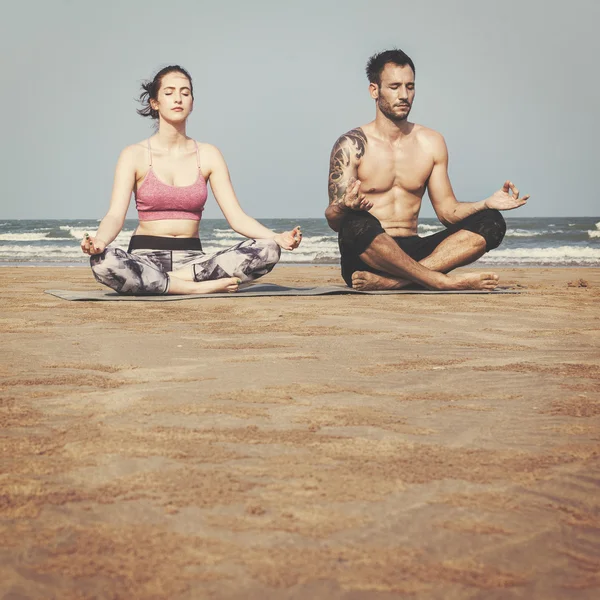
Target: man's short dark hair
{"points": [[378, 61]]}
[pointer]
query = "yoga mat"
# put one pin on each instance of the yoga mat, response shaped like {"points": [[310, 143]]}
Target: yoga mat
{"points": [[261, 289]]}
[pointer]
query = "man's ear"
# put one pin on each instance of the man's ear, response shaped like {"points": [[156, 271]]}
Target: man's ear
{"points": [[374, 91]]}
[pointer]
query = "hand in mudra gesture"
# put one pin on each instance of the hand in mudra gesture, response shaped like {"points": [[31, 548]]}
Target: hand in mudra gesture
{"points": [[289, 240], [507, 198], [92, 245], [353, 199]]}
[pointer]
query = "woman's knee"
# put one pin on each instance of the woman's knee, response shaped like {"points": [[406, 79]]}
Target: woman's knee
{"points": [[108, 259], [264, 254], [270, 250], [106, 266], [127, 275]]}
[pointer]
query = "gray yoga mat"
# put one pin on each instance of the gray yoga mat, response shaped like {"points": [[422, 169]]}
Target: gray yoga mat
{"points": [[261, 289]]}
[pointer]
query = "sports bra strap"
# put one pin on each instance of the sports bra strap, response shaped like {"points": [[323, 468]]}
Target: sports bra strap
{"points": [[197, 154], [195, 144]]}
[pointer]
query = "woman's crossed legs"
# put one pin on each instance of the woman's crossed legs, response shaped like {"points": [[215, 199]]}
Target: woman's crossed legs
{"points": [[156, 272]]}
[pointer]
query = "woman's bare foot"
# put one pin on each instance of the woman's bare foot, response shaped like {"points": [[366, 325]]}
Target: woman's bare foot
{"points": [[181, 286], [472, 281], [365, 281]]}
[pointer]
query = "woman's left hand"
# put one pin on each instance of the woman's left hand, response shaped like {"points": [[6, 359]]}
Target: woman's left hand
{"points": [[288, 240]]}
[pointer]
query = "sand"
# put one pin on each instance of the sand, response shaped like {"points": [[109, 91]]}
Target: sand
{"points": [[339, 447]]}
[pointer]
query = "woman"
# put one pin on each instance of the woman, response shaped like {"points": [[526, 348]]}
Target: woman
{"points": [[168, 174]]}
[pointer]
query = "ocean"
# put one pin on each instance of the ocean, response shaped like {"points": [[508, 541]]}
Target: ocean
{"points": [[564, 241]]}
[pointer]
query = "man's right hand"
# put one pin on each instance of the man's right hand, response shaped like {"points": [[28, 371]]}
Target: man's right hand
{"points": [[90, 245], [353, 199], [506, 198]]}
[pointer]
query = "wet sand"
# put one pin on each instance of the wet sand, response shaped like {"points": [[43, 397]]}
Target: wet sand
{"points": [[345, 447]]}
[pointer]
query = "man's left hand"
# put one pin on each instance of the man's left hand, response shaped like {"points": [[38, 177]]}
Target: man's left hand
{"points": [[507, 198], [288, 240]]}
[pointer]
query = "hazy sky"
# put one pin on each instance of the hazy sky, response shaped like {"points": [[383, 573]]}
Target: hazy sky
{"points": [[512, 85]]}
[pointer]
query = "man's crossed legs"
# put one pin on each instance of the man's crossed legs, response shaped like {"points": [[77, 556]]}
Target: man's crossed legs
{"points": [[373, 260]]}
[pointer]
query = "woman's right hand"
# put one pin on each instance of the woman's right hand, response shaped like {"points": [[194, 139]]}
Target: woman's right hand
{"points": [[289, 240], [90, 245]]}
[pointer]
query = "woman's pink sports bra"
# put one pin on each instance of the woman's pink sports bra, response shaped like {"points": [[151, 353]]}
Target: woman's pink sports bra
{"points": [[157, 200]]}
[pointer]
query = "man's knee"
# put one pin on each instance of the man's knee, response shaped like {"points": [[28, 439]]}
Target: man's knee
{"points": [[494, 228], [490, 225], [358, 230]]}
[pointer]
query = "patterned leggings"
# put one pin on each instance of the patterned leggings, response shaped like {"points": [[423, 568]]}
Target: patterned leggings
{"points": [[144, 271]]}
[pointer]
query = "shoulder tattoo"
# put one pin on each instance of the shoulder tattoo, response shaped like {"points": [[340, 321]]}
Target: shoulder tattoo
{"points": [[349, 148]]}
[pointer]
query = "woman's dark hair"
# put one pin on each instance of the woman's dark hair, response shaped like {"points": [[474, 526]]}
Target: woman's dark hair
{"points": [[150, 90], [378, 61]]}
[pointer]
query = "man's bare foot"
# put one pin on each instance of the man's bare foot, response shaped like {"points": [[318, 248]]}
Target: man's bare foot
{"points": [[473, 281], [180, 286], [365, 281]]}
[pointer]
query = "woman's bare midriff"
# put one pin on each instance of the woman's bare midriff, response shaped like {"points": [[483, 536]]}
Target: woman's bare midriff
{"points": [[184, 228]]}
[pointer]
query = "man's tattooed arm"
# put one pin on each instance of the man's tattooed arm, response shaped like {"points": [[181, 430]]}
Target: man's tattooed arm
{"points": [[343, 172], [343, 163]]}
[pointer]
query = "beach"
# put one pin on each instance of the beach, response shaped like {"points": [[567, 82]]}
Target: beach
{"points": [[338, 447]]}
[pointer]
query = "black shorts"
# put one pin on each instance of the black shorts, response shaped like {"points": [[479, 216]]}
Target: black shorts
{"points": [[360, 228]]}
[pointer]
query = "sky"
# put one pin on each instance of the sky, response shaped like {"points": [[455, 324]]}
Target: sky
{"points": [[511, 85]]}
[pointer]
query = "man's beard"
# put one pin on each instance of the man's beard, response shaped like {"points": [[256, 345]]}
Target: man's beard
{"points": [[387, 111]]}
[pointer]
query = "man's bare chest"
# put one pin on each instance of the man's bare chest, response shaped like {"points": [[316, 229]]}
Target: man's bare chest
{"points": [[408, 170]]}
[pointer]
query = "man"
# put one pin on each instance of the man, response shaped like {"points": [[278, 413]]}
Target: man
{"points": [[377, 177]]}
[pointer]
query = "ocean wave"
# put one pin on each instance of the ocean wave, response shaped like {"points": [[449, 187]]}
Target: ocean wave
{"points": [[217, 231], [525, 233], [58, 242], [318, 259], [568, 251], [8, 251], [28, 237], [75, 232], [122, 239], [542, 256], [432, 228], [73, 236], [332, 239], [226, 233], [304, 250], [537, 262], [326, 242], [37, 253]]}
